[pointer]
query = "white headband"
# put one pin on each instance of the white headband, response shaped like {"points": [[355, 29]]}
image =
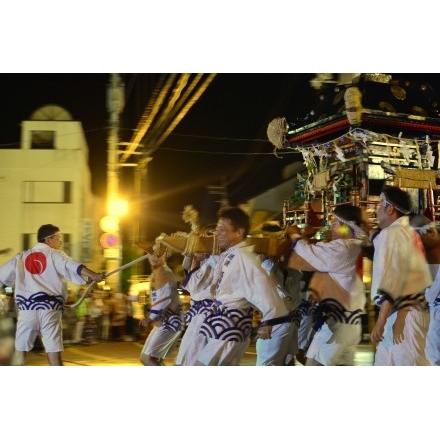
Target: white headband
{"points": [[51, 235], [403, 211], [425, 228]]}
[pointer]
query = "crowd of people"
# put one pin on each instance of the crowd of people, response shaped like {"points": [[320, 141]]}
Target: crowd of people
{"points": [[309, 300], [103, 315]]}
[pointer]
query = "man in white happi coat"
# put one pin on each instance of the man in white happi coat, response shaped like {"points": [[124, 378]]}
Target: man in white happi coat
{"points": [[400, 277], [336, 287], [39, 278], [427, 229], [239, 284]]}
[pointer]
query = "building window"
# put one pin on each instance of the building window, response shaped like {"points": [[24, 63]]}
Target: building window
{"points": [[67, 245], [47, 192], [29, 240], [42, 140]]}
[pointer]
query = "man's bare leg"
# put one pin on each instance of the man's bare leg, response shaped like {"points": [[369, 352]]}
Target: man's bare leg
{"points": [[55, 359], [151, 361], [310, 362], [19, 358]]}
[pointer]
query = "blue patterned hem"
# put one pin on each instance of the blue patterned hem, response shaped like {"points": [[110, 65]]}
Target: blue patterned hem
{"points": [[39, 301]]}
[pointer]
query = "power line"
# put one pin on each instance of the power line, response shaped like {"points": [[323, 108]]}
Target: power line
{"points": [[235, 153]]}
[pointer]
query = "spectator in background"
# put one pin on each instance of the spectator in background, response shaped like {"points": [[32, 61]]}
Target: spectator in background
{"points": [[118, 316], [90, 330], [69, 319], [399, 279], [39, 278], [7, 333], [80, 314], [130, 329], [7, 329], [95, 308], [105, 322]]}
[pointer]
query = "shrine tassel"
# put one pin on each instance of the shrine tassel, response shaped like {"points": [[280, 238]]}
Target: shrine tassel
{"points": [[429, 211]]}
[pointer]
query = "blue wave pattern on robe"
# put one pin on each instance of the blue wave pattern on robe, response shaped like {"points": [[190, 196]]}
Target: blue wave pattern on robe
{"points": [[172, 319], [329, 308], [39, 301], [228, 324], [202, 307]]}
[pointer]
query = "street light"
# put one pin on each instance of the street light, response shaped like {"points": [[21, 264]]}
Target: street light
{"points": [[117, 208], [109, 224], [112, 249], [110, 239]]}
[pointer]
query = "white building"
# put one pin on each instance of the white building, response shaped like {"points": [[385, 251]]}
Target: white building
{"points": [[48, 180]]}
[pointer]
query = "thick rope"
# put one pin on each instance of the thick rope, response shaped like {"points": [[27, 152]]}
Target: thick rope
{"points": [[353, 105], [276, 132], [125, 266]]}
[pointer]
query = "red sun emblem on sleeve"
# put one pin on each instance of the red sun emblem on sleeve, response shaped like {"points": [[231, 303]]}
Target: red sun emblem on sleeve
{"points": [[35, 263]]}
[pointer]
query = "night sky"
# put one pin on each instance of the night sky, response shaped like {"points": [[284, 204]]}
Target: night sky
{"points": [[222, 139]]}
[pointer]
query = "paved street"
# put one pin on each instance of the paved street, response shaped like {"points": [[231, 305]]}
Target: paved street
{"points": [[127, 354]]}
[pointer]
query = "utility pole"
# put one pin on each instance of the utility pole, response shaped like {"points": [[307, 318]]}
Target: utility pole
{"points": [[222, 191], [140, 174], [115, 105]]}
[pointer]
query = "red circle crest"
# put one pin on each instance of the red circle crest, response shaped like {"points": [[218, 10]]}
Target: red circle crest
{"points": [[35, 263]]}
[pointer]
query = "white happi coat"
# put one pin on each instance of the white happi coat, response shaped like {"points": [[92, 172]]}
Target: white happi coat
{"points": [[243, 283], [240, 284], [339, 290], [39, 277], [289, 287], [400, 270], [399, 264], [336, 275]]}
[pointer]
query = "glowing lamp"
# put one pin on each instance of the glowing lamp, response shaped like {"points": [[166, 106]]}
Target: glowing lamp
{"points": [[117, 208], [109, 224]]}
